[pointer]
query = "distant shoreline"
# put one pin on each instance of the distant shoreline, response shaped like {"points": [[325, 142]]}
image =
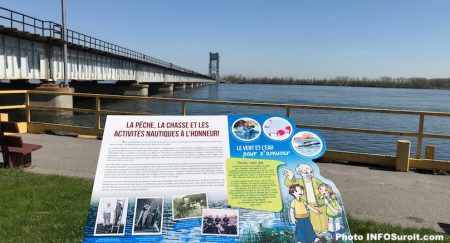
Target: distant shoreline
{"points": [[384, 82]]}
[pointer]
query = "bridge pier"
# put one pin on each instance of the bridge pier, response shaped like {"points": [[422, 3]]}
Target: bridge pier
{"points": [[161, 88], [120, 88], [166, 88], [180, 86], [190, 85], [58, 101], [132, 88]]}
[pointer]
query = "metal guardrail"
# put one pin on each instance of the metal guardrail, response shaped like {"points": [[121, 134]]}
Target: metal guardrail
{"points": [[98, 111], [15, 20]]}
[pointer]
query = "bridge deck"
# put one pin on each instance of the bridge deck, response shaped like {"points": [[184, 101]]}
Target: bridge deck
{"points": [[30, 48]]}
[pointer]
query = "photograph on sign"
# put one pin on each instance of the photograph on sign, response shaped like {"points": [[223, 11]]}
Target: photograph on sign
{"points": [[188, 206], [111, 216], [148, 216]]}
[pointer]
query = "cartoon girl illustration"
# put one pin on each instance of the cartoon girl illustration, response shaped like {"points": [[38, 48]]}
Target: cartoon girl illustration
{"points": [[300, 216], [333, 209]]}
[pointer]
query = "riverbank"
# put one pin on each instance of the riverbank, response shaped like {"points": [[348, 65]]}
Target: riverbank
{"points": [[382, 82], [405, 199]]}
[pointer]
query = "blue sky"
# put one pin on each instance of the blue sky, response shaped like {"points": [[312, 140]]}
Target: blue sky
{"points": [[304, 39]]}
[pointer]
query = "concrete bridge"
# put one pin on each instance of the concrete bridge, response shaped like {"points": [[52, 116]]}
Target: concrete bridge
{"points": [[31, 49]]}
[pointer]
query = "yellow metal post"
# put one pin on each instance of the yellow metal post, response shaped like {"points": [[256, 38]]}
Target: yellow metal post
{"points": [[4, 117], [402, 158], [27, 107], [429, 152], [420, 136], [98, 124], [288, 111], [183, 108]]}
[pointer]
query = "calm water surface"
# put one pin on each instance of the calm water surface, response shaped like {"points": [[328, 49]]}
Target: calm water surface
{"points": [[409, 99]]}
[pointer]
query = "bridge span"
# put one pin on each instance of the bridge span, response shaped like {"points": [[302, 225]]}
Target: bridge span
{"points": [[31, 49]]}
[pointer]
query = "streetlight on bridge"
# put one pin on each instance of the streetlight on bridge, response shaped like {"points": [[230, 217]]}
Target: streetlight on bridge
{"points": [[64, 38]]}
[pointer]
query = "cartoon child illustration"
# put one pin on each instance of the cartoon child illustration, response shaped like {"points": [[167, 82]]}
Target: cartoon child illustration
{"points": [[311, 195], [333, 209], [300, 216]]}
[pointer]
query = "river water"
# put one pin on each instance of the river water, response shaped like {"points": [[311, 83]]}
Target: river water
{"points": [[389, 98]]}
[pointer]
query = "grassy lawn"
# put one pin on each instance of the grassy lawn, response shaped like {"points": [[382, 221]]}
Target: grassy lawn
{"points": [[364, 227], [37, 208]]}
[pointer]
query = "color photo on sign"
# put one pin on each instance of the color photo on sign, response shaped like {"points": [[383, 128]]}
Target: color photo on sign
{"points": [[220, 222], [111, 216]]}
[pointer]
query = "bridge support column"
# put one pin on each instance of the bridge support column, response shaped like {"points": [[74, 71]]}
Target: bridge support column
{"points": [[166, 87], [119, 88], [53, 100], [190, 85], [134, 89], [179, 86]]}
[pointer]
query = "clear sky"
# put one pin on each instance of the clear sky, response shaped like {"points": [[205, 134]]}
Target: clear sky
{"points": [[303, 39]]}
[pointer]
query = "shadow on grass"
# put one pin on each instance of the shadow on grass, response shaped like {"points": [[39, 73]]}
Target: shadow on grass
{"points": [[445, 227]]}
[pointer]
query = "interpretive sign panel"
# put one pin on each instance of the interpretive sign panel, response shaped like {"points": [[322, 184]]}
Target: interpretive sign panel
{"points": [[212, 179]]}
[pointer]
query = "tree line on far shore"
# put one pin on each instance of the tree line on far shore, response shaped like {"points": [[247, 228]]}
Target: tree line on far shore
{"points": [[382, 82]]}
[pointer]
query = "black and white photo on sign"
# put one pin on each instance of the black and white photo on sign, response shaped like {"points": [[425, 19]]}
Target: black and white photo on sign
{"points": [[111, 216], [220, 222], [148, 216], [188, 206]]}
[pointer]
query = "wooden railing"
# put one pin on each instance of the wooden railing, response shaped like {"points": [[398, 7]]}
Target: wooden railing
{"points": [[184, 105]]}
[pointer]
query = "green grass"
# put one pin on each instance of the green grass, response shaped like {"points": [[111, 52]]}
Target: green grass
{"points": [[364, 227], [38, 208]]}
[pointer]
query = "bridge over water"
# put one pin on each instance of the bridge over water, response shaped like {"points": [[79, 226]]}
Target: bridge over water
{"points": [[31, 49]]}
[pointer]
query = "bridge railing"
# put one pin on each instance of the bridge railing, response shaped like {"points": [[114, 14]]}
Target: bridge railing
{"points": [[15, 20], [420, 162]]}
